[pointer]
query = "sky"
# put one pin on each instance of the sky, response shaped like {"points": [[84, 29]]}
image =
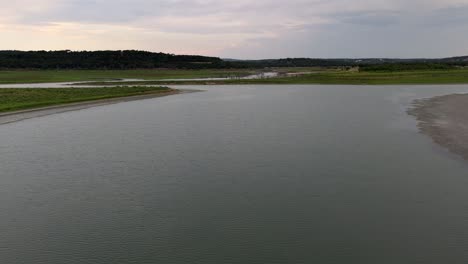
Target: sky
{"points": [[243, 29]]}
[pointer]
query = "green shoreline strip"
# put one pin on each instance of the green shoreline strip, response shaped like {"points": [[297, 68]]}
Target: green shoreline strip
{"points": [[14, 99], [356, 78], [453, 76], [49, 76], [304, 75]]}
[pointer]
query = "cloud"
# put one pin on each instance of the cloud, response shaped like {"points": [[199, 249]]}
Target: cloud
{"points": [[369, 18], [242, 28], [451, 16]]}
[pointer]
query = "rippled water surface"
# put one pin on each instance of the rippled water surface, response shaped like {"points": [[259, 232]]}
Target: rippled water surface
{"points": [[235, 174]]}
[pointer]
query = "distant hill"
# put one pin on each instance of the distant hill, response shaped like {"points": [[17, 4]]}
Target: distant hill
{"points": [[134, 59], [462, 59], [126, 59]]}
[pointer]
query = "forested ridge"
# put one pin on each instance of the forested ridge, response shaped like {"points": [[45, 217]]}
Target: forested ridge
{"points": [[127, 59], [134, 59]]}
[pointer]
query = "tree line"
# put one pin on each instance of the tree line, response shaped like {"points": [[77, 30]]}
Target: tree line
{"points": [[399, 67], [128, 59], [134, 59]]}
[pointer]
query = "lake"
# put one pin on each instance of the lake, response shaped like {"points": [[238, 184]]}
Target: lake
{"points": [[235, 174]]}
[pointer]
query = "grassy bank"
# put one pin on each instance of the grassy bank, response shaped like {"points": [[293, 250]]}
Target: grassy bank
{"points": [[457, 76], [314, 76], [20, 99], [373, 78], [44, 76]]}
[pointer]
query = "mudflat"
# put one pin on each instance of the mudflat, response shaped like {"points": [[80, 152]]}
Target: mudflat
{"points": [[445, 120]]}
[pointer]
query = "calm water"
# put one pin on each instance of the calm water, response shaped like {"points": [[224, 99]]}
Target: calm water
{"points": [[236, 174]]}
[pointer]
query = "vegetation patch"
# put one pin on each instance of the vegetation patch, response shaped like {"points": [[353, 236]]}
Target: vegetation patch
{"points": [[12, 99], [452, 76], [49, 76], [376, 75]]}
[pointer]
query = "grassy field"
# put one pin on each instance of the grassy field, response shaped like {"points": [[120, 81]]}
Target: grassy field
{"points": [[458, 76], [371, 78], [18, 99], [316, 76], [44, 76]]}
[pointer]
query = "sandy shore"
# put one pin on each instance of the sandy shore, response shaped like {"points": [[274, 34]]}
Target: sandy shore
{"points": [[10, 117], [445, 120]]}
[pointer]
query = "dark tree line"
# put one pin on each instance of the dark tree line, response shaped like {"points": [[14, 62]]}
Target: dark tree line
{"points": [[128, 59], [291, 62], [133, 59], [399, 67]]}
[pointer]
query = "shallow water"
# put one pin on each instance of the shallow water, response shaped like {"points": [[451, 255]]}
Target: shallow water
{"points": [[236, 174], [264, 75], [64, 84]]}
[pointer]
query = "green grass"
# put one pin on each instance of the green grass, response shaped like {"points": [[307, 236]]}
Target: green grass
{"points": [[12, 99], [370, 78], [44, 76], [458, 76], [426, 77], [318, 76]]}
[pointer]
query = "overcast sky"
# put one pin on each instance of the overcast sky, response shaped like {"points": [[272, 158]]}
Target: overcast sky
{"points": [[241, 28]]}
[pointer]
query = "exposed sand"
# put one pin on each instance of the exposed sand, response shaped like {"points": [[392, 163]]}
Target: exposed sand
{"points": [[445, 120], [16, 116]]}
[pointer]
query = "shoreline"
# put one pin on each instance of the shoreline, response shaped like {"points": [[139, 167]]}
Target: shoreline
{"points": [[445, 120], [269, 81], [15, 116]]}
